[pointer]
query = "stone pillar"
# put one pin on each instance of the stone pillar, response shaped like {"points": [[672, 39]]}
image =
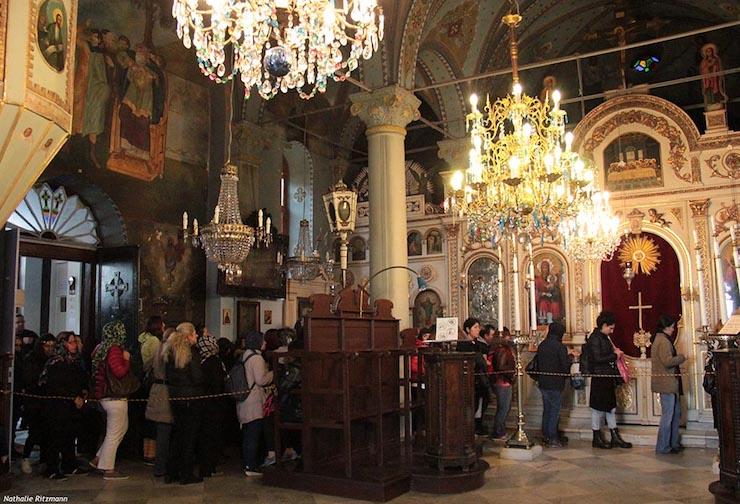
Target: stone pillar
{"points": [[386, 112]]}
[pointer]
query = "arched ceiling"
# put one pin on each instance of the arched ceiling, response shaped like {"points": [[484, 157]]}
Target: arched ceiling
{"points": [[432, 41]]}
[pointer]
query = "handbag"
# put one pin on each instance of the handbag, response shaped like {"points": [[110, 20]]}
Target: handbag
{"points": [[120, 388]]}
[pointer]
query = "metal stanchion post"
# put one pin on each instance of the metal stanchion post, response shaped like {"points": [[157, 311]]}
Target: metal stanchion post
{"points": [[520, 439]]}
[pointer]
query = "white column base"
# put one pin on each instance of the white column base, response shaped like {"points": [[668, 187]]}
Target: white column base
{"points": [[521, 454]]}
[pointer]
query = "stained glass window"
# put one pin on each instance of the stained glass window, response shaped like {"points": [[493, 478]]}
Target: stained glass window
{"points": [[645, 64]]}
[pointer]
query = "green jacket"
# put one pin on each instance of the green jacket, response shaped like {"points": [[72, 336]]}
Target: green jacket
{"points": [[149, 346]]}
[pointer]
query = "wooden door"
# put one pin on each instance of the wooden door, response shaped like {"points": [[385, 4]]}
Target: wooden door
{"points": [[8, 284], [117, 292]]}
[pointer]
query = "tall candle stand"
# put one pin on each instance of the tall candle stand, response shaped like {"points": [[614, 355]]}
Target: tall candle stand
{"points": [[520, 439]]}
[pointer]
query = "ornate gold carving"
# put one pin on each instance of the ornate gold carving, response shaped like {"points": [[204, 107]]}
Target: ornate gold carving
{"points": [[657, 218], [642, 252], [727, 213], [578, 281], [638, 101], [699, 208], [729, 168], [412, 33], [681, 192], [678, 214], [453, 255], [635, 219], [390, 106], [695, 169], [65, 101], [676, 158]]}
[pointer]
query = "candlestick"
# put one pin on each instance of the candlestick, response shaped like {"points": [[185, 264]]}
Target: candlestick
{"points": [[515, 277], [702, 294], [259, 218], [268, 223], [500, 306], [719, 270], [195, 227], [215, 215], [185, 221], [532, 298]]}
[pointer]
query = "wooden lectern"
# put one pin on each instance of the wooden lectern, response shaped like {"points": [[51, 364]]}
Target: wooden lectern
{"points": [[727, 368]]}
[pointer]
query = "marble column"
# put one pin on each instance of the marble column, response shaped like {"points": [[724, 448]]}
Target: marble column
{"points": [[386, 112], [700, 215]]}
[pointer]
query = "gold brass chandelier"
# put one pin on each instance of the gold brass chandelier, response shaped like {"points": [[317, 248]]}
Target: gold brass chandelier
{"points": [[591, 235], [280, 44], [523, 177]]}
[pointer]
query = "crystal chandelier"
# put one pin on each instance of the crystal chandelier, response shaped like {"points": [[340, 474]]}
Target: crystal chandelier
{"points": [[591, 235], [305, 265], [280, 44], [226, 240], [523, 177]]}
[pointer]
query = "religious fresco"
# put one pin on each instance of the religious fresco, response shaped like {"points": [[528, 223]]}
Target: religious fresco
{"points": [[427, 307], [632, 161], [413, 243], [729, 279], [123, 94], [434, 242], [549, 284], [357, 249], [52, 33], [483, 290], [170, 272]]}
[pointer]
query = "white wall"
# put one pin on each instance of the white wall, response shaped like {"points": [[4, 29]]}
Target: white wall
{"points": [[230, 303]]}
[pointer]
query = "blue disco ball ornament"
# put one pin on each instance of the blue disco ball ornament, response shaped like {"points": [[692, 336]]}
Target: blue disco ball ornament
{"points": [[276, 61]]}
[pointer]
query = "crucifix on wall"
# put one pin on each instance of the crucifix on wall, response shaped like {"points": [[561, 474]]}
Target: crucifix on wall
{"points": [[640, 307], [116, 287]]}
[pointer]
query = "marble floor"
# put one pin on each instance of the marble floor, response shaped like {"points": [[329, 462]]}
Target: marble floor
{"points": [[577, 474]]}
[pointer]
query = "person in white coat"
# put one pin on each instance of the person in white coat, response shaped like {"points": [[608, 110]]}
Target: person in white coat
{"points": [[250, 411]]}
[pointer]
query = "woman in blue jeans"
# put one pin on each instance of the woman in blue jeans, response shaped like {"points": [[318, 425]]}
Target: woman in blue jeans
{"points": [[666, 380], [552, 358]]}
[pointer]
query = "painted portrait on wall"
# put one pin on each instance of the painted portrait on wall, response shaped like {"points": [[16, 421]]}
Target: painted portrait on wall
{"points": [[434, 242], [413, 242], [632, 161], [549, 283], [427, 307], [358, 249], [52, 29]]}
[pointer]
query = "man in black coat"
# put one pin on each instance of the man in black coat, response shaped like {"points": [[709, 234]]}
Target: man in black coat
{"points": [[552, 357]]}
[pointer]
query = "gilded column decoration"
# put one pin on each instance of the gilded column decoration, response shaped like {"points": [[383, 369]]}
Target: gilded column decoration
{"points": [[453, 256], [699, 213], [727, 213], [578, 282]]}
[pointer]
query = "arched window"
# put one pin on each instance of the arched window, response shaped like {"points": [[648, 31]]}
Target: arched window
{"points": [[483, 290]]}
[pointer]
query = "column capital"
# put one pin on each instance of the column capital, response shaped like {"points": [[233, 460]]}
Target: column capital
{"points": [[454, 152], [699, 208], [387, 109]]}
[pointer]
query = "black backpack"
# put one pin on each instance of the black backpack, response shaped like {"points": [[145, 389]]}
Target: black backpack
{"points": [[236, 381], [585, 358]]}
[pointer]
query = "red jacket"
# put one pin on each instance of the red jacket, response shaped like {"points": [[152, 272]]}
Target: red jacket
{"points": [[119, 367], [417, 370]]}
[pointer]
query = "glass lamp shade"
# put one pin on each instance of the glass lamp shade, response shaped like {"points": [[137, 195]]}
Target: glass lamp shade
{"points": [[340, 205]]}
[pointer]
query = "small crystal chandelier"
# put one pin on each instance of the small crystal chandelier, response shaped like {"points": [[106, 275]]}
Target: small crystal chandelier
{"points": [[305, 265], [523, 177], [591, 235], [280, 44]]}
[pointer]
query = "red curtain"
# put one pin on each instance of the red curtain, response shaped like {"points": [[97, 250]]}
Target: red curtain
{"points": [[661, 289]]}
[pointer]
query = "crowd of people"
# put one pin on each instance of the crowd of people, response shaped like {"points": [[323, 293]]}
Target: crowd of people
{"points": [[165, 397], [172, 393]]}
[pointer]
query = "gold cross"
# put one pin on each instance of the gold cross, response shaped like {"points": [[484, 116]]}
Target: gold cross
{"points": [[639, 307]]}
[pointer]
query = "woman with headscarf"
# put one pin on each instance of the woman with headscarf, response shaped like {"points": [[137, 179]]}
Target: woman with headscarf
{"points": [[33, 409], [63, 376], [158, 408], [666, 362], [250, 411], [111, 356], [185, 381], [212, 434]]}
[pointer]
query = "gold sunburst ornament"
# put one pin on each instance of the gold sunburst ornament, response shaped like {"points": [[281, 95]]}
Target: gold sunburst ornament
{"points": [[642, 252]]}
